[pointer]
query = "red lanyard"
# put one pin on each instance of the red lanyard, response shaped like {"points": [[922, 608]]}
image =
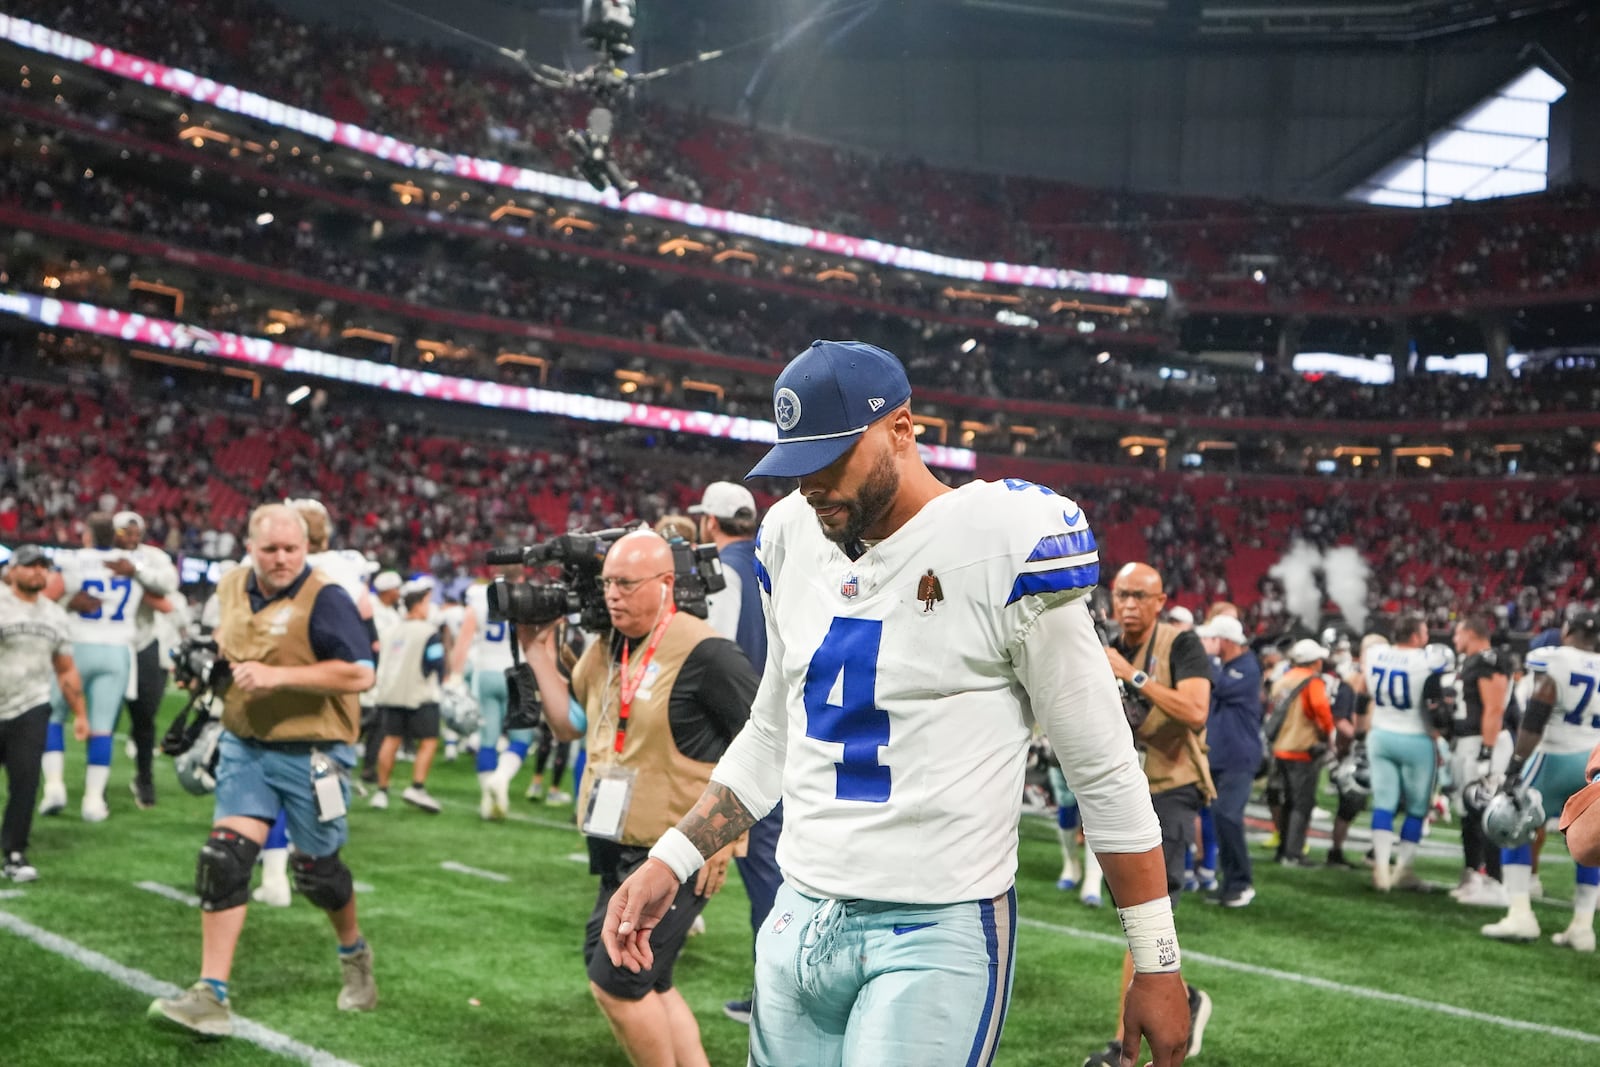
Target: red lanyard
{"points": [[629, 688]]}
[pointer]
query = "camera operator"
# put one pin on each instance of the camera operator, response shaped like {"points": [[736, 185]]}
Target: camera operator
{"points": [[727, 514], [299, 654], [659, 702], [1166, 681]]}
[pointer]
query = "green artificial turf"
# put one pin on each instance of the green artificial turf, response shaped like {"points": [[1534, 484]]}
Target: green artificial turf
{"points": [[478, 972]]}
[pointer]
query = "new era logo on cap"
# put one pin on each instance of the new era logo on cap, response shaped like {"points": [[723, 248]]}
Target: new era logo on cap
{"points": [[824, 401]]}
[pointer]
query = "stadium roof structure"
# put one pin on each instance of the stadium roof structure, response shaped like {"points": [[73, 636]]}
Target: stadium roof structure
{"points": [[1283, 20]]}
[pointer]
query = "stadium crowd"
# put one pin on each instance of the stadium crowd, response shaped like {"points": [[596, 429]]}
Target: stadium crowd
{"points": [[1312, 258], [411, 268], [420, 498]]}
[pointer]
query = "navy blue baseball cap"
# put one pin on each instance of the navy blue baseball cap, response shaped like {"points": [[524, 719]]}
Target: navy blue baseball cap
{"points": [[824, 401]]}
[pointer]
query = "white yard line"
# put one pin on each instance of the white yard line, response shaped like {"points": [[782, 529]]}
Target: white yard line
{"points": [[1327, 985], [11, 894], [170, 893], [476, 872], [150, 986]]}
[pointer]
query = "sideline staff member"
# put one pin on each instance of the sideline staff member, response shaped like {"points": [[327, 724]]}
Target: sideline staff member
{"points": [[660, 701], [35, 643], [300, 654]]}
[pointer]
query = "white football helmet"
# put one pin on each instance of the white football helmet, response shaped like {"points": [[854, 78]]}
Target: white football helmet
{"points": [[459, 709], [197, 764], [1511, 819]]}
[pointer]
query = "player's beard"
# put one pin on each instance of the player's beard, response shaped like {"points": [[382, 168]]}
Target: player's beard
{"points": [[871, 503]]}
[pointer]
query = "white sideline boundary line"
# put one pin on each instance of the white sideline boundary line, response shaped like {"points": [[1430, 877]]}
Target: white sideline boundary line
{"points": [[176, 895], [476, 872], [1330, 986], [140, 982]]}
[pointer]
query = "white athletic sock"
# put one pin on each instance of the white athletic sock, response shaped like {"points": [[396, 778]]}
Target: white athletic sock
{"points": [[1407, 853], [54, 766], [274, 866], [1583, 902], [484, 778], [94, 782], [1069, 849], [510, 763], [1517, 876], [1092, 875], [1382, 845]]}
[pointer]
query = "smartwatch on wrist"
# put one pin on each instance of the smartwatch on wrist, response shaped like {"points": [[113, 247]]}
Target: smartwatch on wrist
{"points": [[1139, 679]]}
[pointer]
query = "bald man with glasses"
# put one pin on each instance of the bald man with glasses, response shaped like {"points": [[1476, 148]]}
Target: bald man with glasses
{"points": [[658, 702], [1166, 684]]}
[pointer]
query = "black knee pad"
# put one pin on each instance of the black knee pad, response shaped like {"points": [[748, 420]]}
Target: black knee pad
{"points": [[323, 880], [222, 873]]}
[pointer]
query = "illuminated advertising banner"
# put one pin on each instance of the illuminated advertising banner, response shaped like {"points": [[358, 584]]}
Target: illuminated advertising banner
{"points": [[291, 359], [403, 153]]}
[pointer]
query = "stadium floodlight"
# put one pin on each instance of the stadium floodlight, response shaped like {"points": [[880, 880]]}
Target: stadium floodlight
{"points": [[297, 395]]}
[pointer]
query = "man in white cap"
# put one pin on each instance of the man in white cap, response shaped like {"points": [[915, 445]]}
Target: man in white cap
{"points": [[1299, 730], [1233, 732], [727, 513], [410, 669], [153, 569]]}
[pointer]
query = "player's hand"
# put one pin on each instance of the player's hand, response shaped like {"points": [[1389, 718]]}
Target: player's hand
{"points": [[83, 603], [253, 677], [1156, 1010], [713, 874], [122, 568], [1119, 666], [80, 727], [636, 909]]}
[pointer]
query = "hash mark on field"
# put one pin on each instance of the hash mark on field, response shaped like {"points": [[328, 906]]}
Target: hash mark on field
{"points": [[476, 872], [534, 820], [140, 982], [361, 887], [11, 894], [1331, 986], [170, 893]]}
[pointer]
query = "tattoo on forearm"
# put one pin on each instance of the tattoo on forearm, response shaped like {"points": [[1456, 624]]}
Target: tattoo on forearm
{"points": [[716, 821]]}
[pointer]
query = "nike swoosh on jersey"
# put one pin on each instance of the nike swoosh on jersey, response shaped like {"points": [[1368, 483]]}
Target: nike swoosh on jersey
{"points": [[913, 928]]}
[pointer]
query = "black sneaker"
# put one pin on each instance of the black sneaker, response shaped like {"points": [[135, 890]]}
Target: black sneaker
{"points": [[737, 1010], [144, 792], [1199, 1016], [1336, 858], [1110, 1056], [18, 869]]}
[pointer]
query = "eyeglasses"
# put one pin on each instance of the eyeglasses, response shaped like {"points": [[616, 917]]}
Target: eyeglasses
{"points": [[628, 585], [1136, 595]]}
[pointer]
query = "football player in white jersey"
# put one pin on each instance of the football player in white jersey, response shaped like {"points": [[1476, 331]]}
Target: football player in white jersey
{"points": [[1559, 729], [103, 605], [486, 646], [154, 571], [1404, 684], [914, 634]]}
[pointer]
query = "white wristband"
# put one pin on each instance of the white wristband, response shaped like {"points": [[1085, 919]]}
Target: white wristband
{"points": [[1152, 937], [679, 853]]}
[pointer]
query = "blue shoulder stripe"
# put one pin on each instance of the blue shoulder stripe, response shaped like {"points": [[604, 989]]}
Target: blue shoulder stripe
{"points": [[762, 576], [1054, 581], [1061, 546]]}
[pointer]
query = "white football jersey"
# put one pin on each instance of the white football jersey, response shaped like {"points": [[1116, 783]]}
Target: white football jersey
{"points": [[491, 645], [347, 567], [891, 680], [115, 621], [1395, 678], [1575, 724]]}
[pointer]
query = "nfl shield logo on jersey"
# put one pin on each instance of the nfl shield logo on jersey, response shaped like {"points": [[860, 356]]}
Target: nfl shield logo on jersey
{"points": [[850, 587]]}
